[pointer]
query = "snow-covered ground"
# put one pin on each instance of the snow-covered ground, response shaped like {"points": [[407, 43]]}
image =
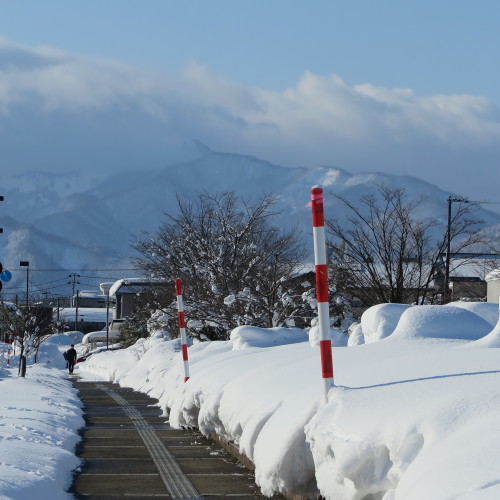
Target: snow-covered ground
{"points": [[39, 419], [414, 413]]}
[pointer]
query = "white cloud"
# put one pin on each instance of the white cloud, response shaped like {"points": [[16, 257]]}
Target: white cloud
{"points": [[318, 120]]}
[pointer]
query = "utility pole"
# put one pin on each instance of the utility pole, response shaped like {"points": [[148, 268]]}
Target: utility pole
{"points": [[76, 312], [446, 290], [74, 282], [57, 319], [107, 320]]}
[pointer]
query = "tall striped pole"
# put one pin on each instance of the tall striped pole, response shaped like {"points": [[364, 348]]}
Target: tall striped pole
{"points": [[321, 268], [182, 327]]}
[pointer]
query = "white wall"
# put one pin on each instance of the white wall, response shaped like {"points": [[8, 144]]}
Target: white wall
{"points": [[493, 291]]}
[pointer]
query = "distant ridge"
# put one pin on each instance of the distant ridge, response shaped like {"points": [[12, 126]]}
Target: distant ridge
{"points": [[76, 221]]}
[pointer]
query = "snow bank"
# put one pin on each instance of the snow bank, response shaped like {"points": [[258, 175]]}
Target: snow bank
{"points": [[63, 339], [244, 337], [40, 416], [486, 310], [355, 335], [378, 322], [406, 420], [413, 423], [446, 322], [490, 340], [339, 338]]}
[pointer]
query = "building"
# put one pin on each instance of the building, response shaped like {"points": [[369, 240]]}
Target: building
{"points": [[467, 287], [125, 292], [493, 286], [84, 319], [91, 299]]}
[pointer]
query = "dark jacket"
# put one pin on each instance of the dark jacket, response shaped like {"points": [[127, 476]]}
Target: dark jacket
{"points": [[71, 355]]}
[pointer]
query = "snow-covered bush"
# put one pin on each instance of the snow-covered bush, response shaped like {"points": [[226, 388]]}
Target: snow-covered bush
{"points": [[236, 268]]}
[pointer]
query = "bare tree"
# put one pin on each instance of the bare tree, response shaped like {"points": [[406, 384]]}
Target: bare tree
{"points": [[385, 253], [235, 266], [28, 325]]}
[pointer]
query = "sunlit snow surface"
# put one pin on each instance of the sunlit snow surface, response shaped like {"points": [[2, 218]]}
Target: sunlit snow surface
{"points": [[39, 419], [414, 413]]}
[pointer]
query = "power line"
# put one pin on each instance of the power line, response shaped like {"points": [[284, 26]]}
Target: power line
{"points": [[76, 270]]}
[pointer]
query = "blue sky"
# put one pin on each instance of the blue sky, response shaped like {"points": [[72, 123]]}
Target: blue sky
{"points": [[440, 46], [409, 88]]}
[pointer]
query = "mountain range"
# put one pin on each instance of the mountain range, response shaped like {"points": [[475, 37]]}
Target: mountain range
{"points": [[84, 224]]}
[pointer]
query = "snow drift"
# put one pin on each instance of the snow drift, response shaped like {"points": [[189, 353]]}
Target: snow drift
{"points": [[405, 420]]}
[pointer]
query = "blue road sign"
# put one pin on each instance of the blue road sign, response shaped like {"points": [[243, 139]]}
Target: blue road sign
{"points": [[5, 275]]}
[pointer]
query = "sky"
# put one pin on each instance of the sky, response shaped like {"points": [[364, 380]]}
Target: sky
{"points": [[449, 46], [400, 87]]}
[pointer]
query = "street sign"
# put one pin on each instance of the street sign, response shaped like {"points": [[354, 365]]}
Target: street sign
{"points": [[5, 275]]}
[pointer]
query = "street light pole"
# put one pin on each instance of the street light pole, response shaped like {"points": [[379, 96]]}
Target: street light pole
{"points": [[26, 264], [22, 357]]}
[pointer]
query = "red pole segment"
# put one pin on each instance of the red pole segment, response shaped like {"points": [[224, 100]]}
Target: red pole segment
{"points": [[320, 261], [182, 327]]}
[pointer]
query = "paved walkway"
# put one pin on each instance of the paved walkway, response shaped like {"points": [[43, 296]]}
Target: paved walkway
{"points": [[130, 451]]}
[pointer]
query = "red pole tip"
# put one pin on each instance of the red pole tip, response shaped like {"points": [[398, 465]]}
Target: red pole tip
{"points": [[317, 194], [178, 286], [317, 206]]}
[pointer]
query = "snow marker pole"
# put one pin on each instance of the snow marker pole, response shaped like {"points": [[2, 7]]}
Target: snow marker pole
{"points": [[8, 356], [321, 269], [182, 327]]}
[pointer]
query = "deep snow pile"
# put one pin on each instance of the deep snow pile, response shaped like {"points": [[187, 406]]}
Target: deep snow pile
{"points": [[39, 418], [413, 415]]}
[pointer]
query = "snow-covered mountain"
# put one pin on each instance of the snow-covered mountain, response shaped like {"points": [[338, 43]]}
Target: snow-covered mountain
{"points": [[80, 223]]}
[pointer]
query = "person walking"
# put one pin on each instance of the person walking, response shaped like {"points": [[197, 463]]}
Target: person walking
{"points": [[71, 358]]}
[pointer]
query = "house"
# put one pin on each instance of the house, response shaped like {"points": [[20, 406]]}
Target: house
{"points": [[83, 319], [91, 299], [469, 287], [125, 292]]}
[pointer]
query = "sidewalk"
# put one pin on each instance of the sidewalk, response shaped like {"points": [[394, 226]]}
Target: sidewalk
{"points": [[130, 451]]}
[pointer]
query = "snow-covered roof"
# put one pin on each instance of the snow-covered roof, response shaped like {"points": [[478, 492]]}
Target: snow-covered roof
{"points": [[88, 314], [133, 285], [106, 286], [88, 293], [100, 336], [493, 275]]}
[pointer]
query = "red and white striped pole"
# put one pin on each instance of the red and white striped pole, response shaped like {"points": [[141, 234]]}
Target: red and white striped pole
{"points": [[321, 268], [182, 327], [8, 356]]}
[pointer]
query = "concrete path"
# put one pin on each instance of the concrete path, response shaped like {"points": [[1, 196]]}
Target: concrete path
{"points": [[130, 451]]}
